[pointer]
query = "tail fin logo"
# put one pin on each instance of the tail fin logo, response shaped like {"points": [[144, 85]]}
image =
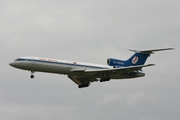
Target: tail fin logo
{"points": [[135, 60]]}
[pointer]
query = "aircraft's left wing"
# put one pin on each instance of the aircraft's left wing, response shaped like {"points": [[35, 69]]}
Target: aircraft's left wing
{"points": [[83, 77], [118, 70], [97, 73], [81, 80]]}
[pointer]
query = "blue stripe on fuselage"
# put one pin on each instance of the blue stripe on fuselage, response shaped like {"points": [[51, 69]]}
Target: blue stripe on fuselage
{"points": [[79, 65]]}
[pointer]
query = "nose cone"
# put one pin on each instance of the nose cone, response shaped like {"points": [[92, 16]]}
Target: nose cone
{"points": [[12, 64]]}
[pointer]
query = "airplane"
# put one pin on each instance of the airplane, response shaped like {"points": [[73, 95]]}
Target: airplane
{"points": [[83, 74]]}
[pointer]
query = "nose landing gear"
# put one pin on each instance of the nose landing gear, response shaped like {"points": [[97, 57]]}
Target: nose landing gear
{"points": [[32, 76]]}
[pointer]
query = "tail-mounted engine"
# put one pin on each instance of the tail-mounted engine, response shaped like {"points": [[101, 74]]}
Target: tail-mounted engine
{"points": [[115, 62]]}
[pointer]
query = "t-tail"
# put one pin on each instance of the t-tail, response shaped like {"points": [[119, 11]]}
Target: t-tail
{"points": [[139, 58]]}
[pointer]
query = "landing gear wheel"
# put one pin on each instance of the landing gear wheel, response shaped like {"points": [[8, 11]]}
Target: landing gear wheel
{"points": [[32, 76], [83, 85], [104, 79], [79, 86]]}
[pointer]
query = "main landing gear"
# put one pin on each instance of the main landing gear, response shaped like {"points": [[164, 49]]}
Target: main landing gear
{"points": [[104, 79], [32, 76], [83, 85]]}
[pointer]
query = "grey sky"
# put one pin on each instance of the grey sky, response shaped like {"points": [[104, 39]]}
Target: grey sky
{"points": [[89, 31]]}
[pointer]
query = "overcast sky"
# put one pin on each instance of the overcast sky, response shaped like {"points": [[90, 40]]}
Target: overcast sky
{"points": [[89, 31]]}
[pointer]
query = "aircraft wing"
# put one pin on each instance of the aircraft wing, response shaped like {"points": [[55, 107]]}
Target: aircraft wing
{"points": [[81, 79], [81, 76], [117, 70]]}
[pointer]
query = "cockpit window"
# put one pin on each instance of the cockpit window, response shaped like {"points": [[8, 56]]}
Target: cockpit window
{"points": [[19, 59]]}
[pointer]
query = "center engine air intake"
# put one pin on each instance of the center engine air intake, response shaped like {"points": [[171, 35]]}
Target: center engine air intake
{"points": [[115, 62]]}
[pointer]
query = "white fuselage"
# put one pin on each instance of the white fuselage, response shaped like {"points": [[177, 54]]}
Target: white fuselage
{"points": [[50, 65]]}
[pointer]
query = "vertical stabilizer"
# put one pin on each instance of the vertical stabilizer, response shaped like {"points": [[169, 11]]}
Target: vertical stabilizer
{"points": [[137, 59]]}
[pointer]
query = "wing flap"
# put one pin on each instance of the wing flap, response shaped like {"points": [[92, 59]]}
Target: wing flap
{"points": [[79, 80]]}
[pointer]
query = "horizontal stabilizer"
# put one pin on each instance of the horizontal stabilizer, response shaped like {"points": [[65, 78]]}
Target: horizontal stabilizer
{"points": [[150, 51]]}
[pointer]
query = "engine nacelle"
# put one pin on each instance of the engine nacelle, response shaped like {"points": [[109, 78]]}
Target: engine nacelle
{"points": [[115, 62]]}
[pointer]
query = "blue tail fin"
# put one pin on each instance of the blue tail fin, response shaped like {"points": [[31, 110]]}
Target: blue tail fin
{"points": [[136, 59], [139, 58]]}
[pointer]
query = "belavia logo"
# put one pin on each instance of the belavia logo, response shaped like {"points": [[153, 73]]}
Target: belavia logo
{"points": [[135, 60]]}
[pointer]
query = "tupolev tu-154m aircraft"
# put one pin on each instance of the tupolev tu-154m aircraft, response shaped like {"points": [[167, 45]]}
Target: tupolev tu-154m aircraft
{"points": [[85, 73]]}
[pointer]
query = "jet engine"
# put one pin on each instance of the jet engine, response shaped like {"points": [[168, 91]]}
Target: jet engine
{"points": [[115, 62]]}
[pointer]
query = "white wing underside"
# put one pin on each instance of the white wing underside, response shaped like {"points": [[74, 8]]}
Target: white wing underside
{"points": [[81, 76]]}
